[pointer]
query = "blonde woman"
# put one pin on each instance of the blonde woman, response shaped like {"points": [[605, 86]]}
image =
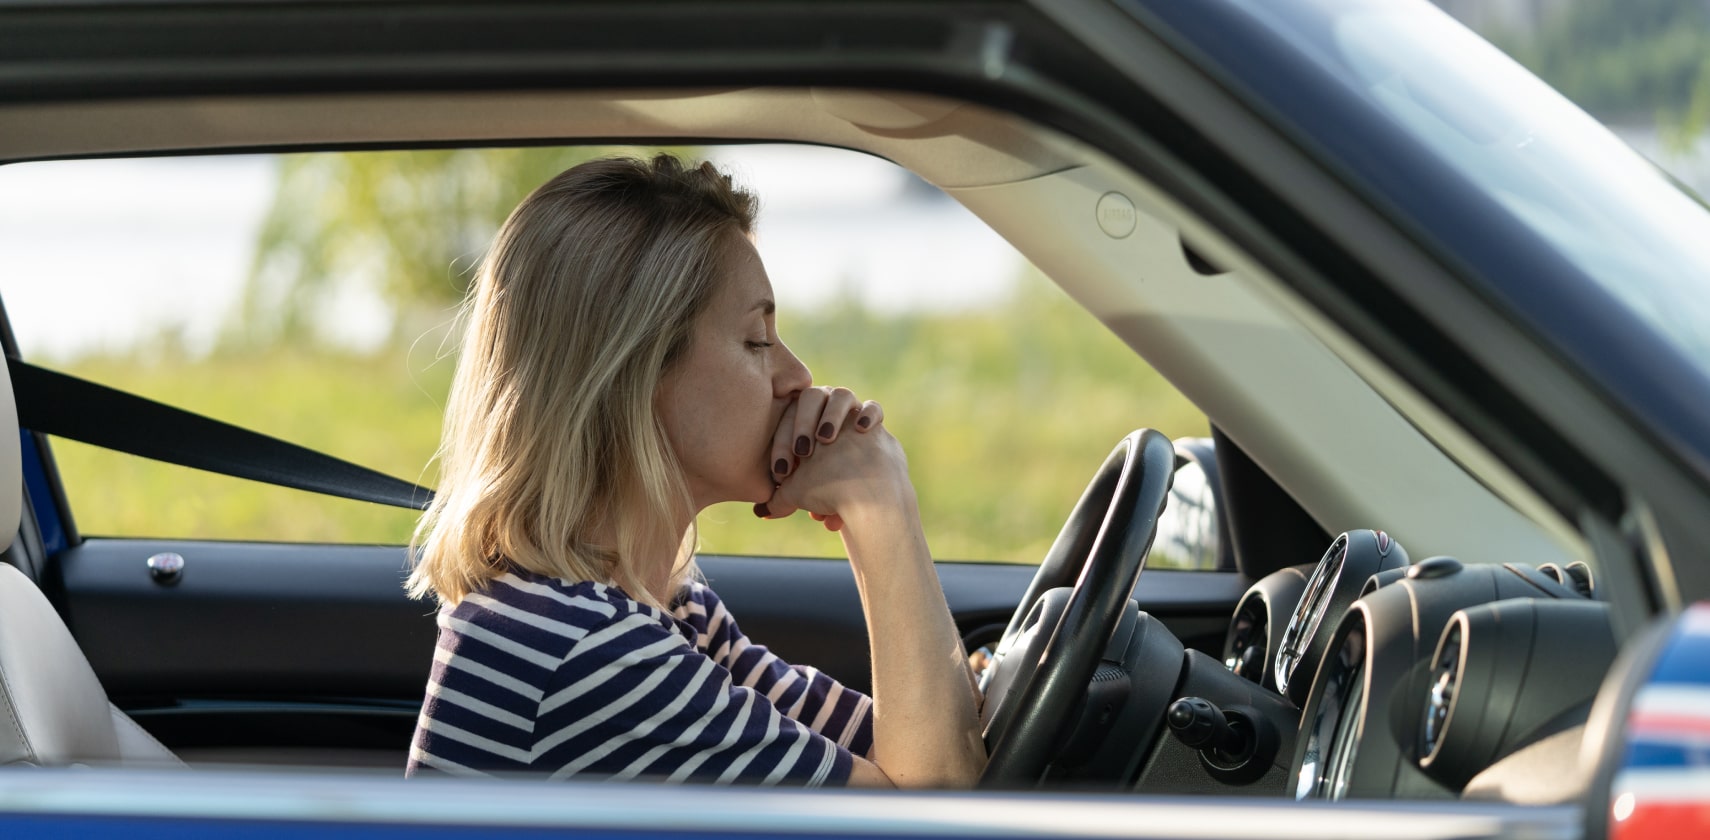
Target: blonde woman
{"points": [[621, 370]]}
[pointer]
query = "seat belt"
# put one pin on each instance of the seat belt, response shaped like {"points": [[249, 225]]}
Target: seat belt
{"points": [[65, 406]]}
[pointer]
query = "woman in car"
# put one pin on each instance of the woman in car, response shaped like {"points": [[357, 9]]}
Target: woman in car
{"points": [[620, 371]]}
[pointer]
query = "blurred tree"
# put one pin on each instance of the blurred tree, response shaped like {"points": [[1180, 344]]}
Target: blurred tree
{"points": [[410, 225]]}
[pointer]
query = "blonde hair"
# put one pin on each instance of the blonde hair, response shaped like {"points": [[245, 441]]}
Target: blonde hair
{"points": [[587, 295]]}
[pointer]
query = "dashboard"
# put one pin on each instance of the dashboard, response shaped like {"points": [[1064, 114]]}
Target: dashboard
{"points": [[1422, 680]]}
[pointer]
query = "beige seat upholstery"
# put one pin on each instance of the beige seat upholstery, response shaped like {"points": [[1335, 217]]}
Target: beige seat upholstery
{"points": [[53, 710]]}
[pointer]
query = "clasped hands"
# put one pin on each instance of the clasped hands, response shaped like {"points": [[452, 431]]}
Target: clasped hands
{"points": [[828, 451]]}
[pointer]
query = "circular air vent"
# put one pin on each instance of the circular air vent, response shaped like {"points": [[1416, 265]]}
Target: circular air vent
{"points": [[1249, 645], [1440, 699], [1245, 652], [1500, 673], [1579, 577]]}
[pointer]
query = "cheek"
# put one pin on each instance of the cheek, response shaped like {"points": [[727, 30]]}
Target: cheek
{"points": [[679, 404]]}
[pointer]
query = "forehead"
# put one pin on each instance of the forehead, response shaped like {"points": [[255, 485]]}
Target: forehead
{"points": [[745, 283]]}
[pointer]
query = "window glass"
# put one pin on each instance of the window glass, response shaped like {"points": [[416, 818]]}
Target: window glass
{"points": [[310, 297]]}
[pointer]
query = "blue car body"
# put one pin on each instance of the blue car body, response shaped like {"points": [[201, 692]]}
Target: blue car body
{"points": [[1533, 343]]}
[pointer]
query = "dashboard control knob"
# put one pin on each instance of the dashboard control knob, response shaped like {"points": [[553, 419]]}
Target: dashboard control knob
{"points": [[1198, 723]]}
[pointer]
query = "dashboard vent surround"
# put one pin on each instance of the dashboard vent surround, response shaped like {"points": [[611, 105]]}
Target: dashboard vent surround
{"points": [[1503, 675], [1575, 576], [1249, 648]]}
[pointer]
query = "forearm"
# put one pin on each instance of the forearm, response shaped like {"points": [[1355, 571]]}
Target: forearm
{"points": [[926, 723]]}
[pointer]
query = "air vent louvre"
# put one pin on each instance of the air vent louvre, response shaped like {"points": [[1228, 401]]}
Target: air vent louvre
{"points": [[1445, 679], [1579, 577], [1246, 652]]}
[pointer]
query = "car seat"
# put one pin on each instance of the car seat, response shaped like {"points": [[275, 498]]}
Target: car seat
{"points": [[53, 710]]}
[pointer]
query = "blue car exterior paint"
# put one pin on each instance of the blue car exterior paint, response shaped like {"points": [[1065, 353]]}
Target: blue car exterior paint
{"points": [[41, 496], [142, 804]]}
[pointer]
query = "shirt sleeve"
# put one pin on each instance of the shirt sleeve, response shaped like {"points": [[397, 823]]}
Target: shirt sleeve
{"points": [[634, 699], [481, 692], [801, 692]]}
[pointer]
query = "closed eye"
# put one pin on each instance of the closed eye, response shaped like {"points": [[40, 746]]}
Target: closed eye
{"points": [[760, 345]]}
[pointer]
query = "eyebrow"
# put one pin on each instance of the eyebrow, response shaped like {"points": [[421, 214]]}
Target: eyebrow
{"points": [[765, 305]]}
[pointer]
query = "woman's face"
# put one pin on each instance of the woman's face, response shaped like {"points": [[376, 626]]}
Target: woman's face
{"points": [[722, 400]]}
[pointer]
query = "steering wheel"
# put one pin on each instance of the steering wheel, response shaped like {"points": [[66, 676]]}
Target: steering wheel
{"points": [[1100, 552]]}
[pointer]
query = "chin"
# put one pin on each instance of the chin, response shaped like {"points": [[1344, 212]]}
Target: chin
{"points": [[762, 491], [753, 490]]}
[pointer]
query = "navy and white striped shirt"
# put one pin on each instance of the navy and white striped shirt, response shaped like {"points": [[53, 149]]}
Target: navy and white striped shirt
{"points": [[537, 674]]}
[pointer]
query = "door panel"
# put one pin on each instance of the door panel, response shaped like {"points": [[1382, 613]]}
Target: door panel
{"points": [[246, 620], [260, 653], [313, 654]]}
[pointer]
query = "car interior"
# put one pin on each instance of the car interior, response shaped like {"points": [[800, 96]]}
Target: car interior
{"points": [[1405, 617]]}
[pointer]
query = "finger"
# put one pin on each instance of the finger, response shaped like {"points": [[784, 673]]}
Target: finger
{"points": [[775, 508], [870, 415], [834, 523], [781, 461], [809, 406], [838, 406]]}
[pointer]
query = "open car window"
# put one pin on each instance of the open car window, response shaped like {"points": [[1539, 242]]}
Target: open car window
{"points": [[310, 297]]}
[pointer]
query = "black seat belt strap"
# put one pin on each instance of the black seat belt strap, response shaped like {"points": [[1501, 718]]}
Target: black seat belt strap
{"points": [[65, 406]]}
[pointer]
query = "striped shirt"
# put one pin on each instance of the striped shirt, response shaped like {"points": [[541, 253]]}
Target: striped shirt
{"points": [[536, 674]]}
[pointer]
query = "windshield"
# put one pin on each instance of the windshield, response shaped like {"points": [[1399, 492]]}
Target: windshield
{"points": [[1530, 150]]}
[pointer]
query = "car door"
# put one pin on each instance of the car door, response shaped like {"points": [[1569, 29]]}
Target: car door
{"points": [[274, 636], [262, 652]]}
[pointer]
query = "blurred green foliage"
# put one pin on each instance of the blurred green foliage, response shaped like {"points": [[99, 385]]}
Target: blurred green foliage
{"points": [[1005, 412], [1625, 60]]}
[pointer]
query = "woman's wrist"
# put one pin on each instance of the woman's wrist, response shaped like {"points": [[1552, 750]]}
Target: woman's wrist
{"points": [[883, 508]]}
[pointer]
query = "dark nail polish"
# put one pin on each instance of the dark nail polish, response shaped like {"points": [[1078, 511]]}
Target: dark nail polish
{"points": [[864, 422], [826, 430], [802, 444], [762, 511], [783, 466]]}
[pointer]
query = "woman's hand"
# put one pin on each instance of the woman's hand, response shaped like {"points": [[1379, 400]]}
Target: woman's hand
{"points": [[818, 416], [833, 458], [814, 423]]}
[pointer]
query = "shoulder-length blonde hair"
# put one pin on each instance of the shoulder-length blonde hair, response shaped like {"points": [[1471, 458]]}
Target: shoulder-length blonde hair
{"points": [[587, 295]]}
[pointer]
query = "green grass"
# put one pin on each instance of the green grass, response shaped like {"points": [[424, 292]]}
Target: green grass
{"points": [[1005, 412]]}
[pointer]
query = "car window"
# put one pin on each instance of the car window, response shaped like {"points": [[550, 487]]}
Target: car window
{"points": [[311, 296]]}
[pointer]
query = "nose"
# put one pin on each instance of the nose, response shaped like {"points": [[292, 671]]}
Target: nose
{"points": [[792, 375]]}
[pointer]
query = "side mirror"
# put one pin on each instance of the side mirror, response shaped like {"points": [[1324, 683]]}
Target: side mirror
{"points": [[1649, 735], [1192, 532]]}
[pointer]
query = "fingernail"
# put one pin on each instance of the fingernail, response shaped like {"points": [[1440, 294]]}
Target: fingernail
{"points": [[782, 467], [864, 422], [762, 511], [802, 444], [826, 430]]}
